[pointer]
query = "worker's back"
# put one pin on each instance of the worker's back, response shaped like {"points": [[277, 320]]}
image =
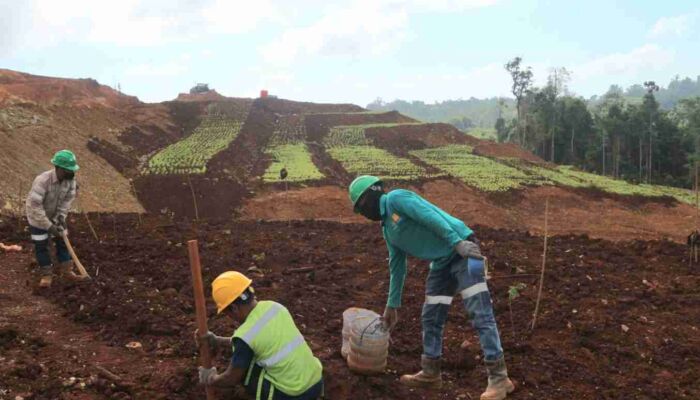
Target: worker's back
{"points": [[279, 348]]}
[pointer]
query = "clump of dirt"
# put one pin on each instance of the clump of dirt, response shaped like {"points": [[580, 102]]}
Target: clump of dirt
{"points": [[607, 306]]}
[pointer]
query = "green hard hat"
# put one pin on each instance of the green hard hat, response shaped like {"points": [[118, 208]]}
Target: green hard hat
{"points": [[359, 185], [65, 159]]}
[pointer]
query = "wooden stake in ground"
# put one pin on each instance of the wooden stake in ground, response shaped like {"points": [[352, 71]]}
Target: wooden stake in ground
{"points": [[200, 308], [19, 207], [97, 238], [544, 263], [194, 199]]}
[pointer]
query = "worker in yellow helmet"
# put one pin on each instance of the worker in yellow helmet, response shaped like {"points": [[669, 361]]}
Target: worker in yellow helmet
{"points": [[270, 356]]}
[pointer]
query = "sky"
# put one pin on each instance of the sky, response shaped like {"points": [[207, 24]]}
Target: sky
{"points": [[351, 51]]}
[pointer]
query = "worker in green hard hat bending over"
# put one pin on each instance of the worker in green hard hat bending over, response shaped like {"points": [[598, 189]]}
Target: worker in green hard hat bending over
{"points": [[413, 226], [47, 206], [270, 357]]}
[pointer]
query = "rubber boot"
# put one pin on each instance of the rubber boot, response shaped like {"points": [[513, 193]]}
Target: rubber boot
{"points": [[499, 383], [429, 377], [65, 270], [46, 277]]}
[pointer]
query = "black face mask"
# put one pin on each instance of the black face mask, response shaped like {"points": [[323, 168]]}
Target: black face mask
{"points": [[368, 205], [69, 175]]}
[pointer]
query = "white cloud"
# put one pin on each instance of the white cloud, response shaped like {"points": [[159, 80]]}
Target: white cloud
{"points": [[130, 22], [649, 57], [157, 70], [362, 27], [676, 26]]}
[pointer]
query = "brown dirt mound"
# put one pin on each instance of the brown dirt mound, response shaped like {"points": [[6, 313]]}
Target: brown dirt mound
{"points": [[217, 197], [505, 150], [18, 87], [580, 348], [318, 125], [211, 95], [283, 106], [571, 210], [400, 139]]}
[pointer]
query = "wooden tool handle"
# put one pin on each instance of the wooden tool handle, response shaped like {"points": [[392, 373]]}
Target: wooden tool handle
{"points": [[77, 262], [200, 307]]}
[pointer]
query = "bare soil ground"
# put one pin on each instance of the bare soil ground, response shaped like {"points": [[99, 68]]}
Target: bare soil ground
{"points": [[618, 319], [576, 211]]}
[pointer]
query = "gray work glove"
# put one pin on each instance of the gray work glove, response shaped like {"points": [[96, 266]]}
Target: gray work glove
{"points": [[467, 249], [55, 230], [61, 221], [209, 338], [206, 375]]}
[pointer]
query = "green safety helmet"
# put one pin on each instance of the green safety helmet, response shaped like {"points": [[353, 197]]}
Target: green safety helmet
{"points": [[65, 159], [360, 185]]}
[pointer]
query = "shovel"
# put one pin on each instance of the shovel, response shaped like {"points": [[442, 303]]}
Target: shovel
{"points": [[77, 262]]}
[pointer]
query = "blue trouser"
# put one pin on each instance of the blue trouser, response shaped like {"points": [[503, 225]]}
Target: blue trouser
{"points": [[465, 277], [40, 238]]}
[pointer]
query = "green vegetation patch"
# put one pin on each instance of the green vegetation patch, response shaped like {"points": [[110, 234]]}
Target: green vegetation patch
{"points": [[348, 145], [483, 133], [289, 129], [622, 187], [191, 154], [480, 172], [296, 158], [354, 135], [368, 160]]}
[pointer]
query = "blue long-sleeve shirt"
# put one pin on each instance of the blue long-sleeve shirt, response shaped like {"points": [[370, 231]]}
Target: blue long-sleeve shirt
{"points": [[413, 226]]}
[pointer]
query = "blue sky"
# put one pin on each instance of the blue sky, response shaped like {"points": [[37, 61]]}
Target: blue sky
{"points": [[351, 51]]}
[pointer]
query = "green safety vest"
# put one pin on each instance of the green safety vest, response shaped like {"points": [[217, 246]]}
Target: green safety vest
{"points": [[280, 349]]}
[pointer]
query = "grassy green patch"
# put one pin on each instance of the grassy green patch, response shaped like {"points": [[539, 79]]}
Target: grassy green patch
{"points": [[348, 145], [622, 187], [483, 133], [296, 158], [289, 129], [368, 160], [480, 172], [191, 154]]}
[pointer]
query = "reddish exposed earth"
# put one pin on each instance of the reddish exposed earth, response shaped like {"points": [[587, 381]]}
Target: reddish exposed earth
{"points": [[578, 211], [618, 319]]}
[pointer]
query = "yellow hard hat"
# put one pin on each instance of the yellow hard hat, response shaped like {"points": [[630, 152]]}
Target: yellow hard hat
{"points": [[227, 287]]}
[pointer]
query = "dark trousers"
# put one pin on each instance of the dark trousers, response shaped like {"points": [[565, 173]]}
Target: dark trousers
{"points": [[40, 238]]}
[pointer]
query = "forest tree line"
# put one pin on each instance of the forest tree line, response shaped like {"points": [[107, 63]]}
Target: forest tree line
{"points": [[645, 133], [638, 141]]}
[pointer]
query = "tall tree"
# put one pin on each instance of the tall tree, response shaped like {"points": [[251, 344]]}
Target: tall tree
{"points": [[557, 81], [522, 82], [652, 108]]}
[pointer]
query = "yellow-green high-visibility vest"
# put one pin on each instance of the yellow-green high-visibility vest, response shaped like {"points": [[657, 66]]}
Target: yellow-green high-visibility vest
{"points": [[279, 348]]}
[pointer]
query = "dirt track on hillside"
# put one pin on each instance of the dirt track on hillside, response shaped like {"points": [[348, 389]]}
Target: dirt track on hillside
{"points": [[579, 350]]}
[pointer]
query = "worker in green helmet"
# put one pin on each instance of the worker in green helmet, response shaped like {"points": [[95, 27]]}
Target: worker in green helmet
{"points": [[413, 226], [47, 206]]}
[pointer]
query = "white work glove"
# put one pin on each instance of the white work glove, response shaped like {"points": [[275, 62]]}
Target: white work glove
{"points": [[206, 375], [467, 249]]}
